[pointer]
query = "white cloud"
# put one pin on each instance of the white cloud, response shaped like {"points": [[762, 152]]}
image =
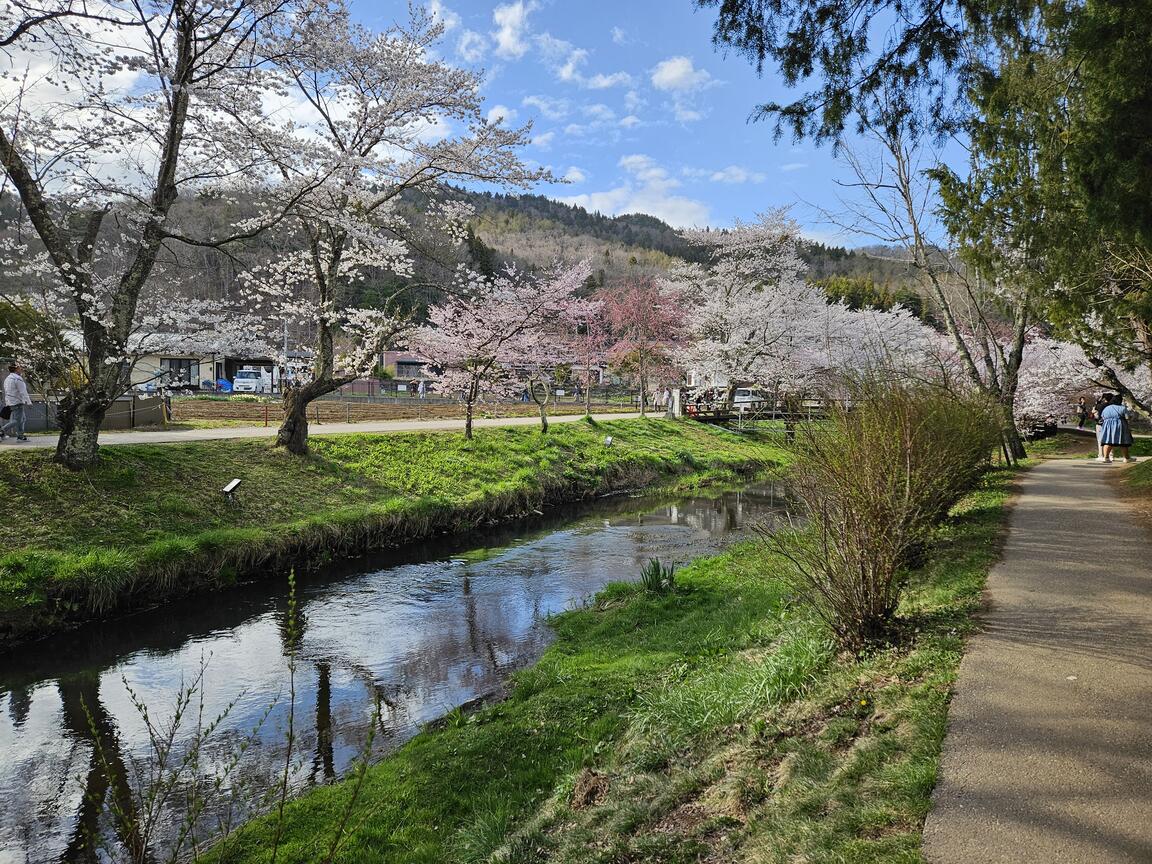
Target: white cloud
{"points": [[737, 174], [566, 60], [600, 81], [511, 33], [599, 111], [563, 57], [629, 121], [501, 112], [471, 46], [679, 75], [569, 70], [793, 166], [633, 101], [544, 140], [647, 188], [443, 15], [553, 109], [619, 37], [598, 117], [575, 175]]}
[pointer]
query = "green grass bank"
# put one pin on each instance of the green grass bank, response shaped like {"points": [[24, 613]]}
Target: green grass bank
{"points": [[150, 522], [711, 724]]}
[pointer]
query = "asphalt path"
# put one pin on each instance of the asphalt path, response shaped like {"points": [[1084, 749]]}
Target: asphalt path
{"points": [[1048, 756], [232, 432]]}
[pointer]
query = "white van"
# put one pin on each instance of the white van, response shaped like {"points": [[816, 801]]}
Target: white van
{"points": [[254, 379], [749, 396]]}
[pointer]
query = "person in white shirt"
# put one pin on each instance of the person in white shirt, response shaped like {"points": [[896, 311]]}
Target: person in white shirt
{"points": [[16, 400]]}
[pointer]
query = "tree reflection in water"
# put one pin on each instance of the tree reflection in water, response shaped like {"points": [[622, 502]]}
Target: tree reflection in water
{"points": [[416, 632]]}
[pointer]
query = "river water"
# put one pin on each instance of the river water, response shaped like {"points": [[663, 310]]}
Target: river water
{"points": [[385, 643]]}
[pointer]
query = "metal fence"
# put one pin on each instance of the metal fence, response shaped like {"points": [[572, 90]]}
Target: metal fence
{"points": [[127, 412]]}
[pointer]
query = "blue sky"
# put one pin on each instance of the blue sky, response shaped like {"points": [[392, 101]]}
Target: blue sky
{"points": [[631, 102]]}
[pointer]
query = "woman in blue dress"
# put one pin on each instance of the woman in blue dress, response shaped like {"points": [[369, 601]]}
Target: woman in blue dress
{"points": [[1114, 431]]}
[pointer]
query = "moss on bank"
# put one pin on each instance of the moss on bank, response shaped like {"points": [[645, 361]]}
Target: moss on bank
{"points": [[150, 522], [715, 723]]}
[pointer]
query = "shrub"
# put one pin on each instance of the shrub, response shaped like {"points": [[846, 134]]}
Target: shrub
{"points": [[657, 578], [873, 480]]}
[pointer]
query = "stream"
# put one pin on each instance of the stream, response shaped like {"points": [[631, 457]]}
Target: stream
{"points": [[383, 643]]}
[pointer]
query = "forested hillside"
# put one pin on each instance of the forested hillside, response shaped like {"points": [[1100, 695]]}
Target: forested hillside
{"points": [[530, 230], [536, 230]]}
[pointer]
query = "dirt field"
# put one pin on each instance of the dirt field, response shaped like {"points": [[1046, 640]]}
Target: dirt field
{"points": [[203, 411]]}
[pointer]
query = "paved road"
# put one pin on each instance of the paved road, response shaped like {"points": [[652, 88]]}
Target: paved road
{"points": [[1048, 757], [170, 437]]}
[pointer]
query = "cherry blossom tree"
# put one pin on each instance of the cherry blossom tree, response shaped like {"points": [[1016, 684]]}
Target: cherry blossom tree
{"points": [[371, 119], [589, 341], [108, 113], [494, 328], [1054, 373], [647, 322], [754, 319]]}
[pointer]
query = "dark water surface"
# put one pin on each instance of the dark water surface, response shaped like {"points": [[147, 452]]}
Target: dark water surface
{"points": [[419, 631]]}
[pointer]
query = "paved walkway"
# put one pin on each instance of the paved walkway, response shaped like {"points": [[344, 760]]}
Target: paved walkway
{"points": [[171, 437], [1048, 757]]}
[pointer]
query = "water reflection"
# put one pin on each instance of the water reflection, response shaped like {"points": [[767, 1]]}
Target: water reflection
{"points": [[398, 639]]}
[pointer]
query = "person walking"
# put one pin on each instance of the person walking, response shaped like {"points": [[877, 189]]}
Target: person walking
{"points": [[1081, 413], [1097, 410], [1115, 434], [16, 402]]}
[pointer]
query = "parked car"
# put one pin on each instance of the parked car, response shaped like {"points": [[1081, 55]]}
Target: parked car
{"points": [[254, 379], [750, 396]]}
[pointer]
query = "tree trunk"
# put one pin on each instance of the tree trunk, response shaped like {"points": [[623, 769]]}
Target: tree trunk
{"points": [[468, 420], [293, 432], [79, 444], [643, 389], [1012, 440], [588, 392], [542, 404]]}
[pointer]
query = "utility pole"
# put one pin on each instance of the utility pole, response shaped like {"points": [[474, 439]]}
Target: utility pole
{"points": [[284, 374]]}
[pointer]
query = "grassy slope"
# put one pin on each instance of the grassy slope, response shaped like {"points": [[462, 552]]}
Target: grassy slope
{"points": [[151, 519], [714, 724]]}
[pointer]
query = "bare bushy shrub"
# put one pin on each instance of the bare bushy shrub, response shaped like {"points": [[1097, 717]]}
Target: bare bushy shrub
{"points": [[885, 467]]}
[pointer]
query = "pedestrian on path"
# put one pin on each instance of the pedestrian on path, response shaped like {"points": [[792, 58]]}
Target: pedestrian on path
{"points": [[1115, 433], [1103, 402], [1081, 413], [16, 400]]}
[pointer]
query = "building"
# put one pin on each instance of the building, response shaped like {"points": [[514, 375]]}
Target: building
{"points": [[405, 365]]}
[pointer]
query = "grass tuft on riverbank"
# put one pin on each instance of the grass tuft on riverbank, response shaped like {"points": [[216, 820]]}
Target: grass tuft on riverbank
{"points": [[713, 723], [150, 522]]}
